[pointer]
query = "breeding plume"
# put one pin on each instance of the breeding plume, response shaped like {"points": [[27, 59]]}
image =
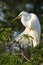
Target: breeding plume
{"points": [[32, 28]]}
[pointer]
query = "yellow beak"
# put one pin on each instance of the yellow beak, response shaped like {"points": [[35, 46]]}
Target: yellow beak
{"points": [[15, 18]]}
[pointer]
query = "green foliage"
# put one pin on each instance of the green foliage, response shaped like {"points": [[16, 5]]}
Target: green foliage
{"points": [[4, 34], [14, 59], [27, 36], [8, 59]]}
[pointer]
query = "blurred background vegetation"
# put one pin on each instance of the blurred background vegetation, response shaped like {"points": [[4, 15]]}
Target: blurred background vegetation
{"points": [[9, 9]]}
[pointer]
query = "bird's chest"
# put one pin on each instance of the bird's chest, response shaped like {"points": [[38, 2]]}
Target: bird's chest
{"points": [[30, 32], [26, 40]]}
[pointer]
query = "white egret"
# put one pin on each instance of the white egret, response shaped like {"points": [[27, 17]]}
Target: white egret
{"points": [[32, 28]]}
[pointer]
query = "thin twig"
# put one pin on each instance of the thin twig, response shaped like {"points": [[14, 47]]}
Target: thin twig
{"points": [[22, 54]]}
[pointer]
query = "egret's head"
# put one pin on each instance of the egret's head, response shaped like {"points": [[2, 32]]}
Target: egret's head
{"points": [[23, 13]]}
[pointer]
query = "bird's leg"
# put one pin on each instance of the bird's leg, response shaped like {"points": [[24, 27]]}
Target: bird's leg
{"points": [[22, 54], [23, 57]]}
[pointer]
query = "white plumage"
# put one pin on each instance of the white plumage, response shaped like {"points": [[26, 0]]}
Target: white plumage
{"points": [[32, 28]]}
